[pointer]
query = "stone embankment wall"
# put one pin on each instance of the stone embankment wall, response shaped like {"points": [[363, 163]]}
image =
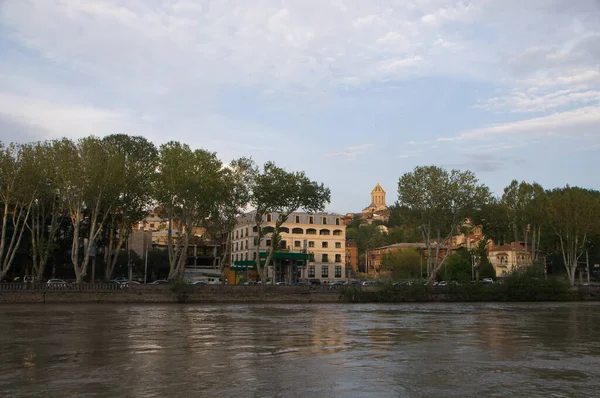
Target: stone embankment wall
{"points": [[163, 294]]}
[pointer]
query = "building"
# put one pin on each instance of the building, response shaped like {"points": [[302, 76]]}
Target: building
{"points": [[377, 201], [351, 256], [312, 246], [509, 257]]}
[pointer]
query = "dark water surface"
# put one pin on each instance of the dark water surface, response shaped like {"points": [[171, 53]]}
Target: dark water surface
{"points": [[408, 350]]}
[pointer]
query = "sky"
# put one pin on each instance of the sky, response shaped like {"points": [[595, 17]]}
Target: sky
{"points": [[352, 92]]}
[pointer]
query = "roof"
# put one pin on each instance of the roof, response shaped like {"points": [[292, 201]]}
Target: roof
{"points": [[378, 188], [403, 246]]}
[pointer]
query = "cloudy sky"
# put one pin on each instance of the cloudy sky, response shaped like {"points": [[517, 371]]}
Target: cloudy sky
{"points": [[353, 92]]}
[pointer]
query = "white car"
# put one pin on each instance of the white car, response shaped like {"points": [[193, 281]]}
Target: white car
{"points": [[488, 281]]}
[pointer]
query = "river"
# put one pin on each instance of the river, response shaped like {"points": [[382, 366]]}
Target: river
{"points": [[400, 350]]}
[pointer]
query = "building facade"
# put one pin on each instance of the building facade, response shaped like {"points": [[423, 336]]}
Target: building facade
{"points": [[321, 235]]}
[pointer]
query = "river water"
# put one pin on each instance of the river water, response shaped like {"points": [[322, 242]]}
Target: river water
{"points": [[406, 350]]}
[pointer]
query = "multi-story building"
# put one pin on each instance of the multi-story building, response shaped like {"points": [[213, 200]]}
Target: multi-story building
{"points": [[319, 238]]}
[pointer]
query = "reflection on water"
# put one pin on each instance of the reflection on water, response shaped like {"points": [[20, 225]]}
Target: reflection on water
{"points": [[410, 350]]}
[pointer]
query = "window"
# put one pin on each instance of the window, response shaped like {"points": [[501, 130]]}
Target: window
{"points": [[297, 219], [255, 229], [311, 244], [269, 217], [338, 271], [338, 258], [324, 271], [311, 231], [151, 225], [297, 231], [338, 245], [282, 244], [311, 271], [232, 258], [268, 243], [242, 245], [324, 258], [254, 256], [246, 256], [337, 221], [297, 243], [324, 220], [237, 234], [241, 233], [246, 231], [236, 257], [236, 246], [324, 244], [311, 220], [324, 232], [255, 240], [337, 232]]}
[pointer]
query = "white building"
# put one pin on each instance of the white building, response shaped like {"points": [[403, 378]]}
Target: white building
{"points": [[321, 235]]}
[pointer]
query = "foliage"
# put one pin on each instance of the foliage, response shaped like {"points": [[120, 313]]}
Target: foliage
{"points": [[456, 268], [188, 189], [405, 264], [277, 191], [573, 216], [440, 201]]}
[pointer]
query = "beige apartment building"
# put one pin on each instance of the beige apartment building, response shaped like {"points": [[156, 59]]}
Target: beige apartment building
{"points": [[321, 235]]}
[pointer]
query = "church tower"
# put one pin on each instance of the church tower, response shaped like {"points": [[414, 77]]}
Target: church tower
{"points": [[378, 197]]}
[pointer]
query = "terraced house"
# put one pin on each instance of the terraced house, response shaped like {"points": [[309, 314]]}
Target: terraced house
{"points": [[312, 246]]}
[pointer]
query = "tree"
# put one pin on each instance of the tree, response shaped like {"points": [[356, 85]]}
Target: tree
{"points": [[139, 159], [238, 180], [405, 264], [457, 267], [440, 201], [188, 189], [16, 196], [573, 216], [279, 191], [526, 206], [88, 175], [46, 212]]}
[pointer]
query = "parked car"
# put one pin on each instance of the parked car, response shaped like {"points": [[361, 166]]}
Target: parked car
{"points": [[200, 283], [314, 281], [250, 283], [28, 279], [369, 283], [335, 284], [300, 283], [121, 279], [56, 283], [283, 284], [160, 282], [487, 281], [442, 283]]}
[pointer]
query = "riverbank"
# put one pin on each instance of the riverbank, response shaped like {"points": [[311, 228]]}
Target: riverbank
{"points": [[108, 293]]}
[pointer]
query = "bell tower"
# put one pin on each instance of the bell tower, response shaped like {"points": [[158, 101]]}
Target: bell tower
{"points": [[378, 196]]}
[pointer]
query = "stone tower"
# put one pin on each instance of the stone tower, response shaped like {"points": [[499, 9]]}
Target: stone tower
{"points": [[378, 197]]}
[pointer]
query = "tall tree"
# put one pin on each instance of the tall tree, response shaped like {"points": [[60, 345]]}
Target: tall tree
{"points": [[16, 197], [139, 159], [238, 180], [441, 200], [188, 189], [279, 191], [573, 216], [46, 212], [88, 175], [526, 208]]}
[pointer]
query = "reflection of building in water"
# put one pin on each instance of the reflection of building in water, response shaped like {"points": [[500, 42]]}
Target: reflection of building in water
{"points": [[329, 330]]}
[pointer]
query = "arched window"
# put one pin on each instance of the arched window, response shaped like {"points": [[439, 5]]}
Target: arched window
{"points": [[324, 232], [284, 230], [311, 231], [337, 232], [297, 231]]}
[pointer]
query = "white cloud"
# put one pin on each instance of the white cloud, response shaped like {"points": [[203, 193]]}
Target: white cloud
{"points": [[351, 152]]}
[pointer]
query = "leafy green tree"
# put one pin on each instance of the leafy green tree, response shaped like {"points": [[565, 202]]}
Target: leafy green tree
{"points": [[238, 180], [88, 175], [440, 201], [573, 216], [405, 264], [139, 159], [526, 206], [456, 268], [279, 191], [16, 196], [188, 189], [46, 213]]}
